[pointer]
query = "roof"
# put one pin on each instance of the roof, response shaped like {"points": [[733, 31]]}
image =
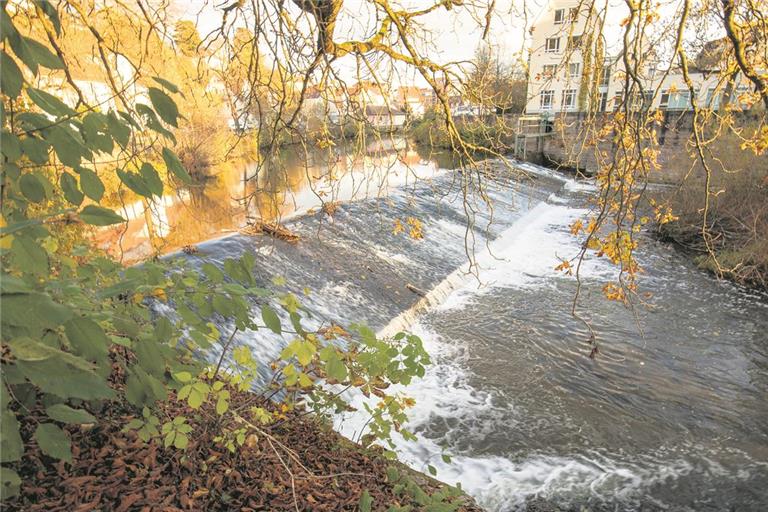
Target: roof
{"points": [[383, 110]]}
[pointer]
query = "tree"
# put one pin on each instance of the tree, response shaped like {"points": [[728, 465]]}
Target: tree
{"points": [[187, 38], [498, 86], [78, 331]]}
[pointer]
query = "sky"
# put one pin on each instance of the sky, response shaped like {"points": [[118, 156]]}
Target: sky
{"points": [[455, 34]]}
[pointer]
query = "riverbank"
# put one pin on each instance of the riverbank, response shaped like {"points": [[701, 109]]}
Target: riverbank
{"points": [[297, 463]]}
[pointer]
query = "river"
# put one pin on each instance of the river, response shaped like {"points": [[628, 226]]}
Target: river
{"points": [[671, 415]]}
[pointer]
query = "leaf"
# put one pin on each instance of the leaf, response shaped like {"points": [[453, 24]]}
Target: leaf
{"points": [[67, 144], [32, 187], [50, 11], [91, 184], [432, 470], [174, 165], [221, 406], [49, 103], [34, 311], [10, 483], [42, 55], [271, 320], [11, 147], [151, 179], [180, 441], [99, 216], [366, 501], [11, 78], [304, 352], [35, 149], [57, 377], [183, 377], [119, 130], [11, 445], [72, 193], [27, 349], [335, 368], [54, 442], [169, 86], [164, 106], [28, 256], [66, 414], [87, 337], [134, 182]]}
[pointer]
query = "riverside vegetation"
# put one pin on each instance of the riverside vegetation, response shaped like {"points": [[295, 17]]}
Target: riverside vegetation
{"points": [[96, 383]]}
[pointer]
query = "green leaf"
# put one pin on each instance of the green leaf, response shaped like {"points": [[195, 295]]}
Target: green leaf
{"points": [[99, 216], [32, 187], [72, 193], [119, 129], [11, 147], [11, 78], [34, 311], [47, 7], [27, 349], [180, 441], [87, 337], [335, 368], [213, 272], [67, 144], [42, 55], [174, 165], [164, 106], [28, 256], [57, 377], [10, 483], [49, 103], [304, 352], [91, 184], [66, 414], [35, 149], [54, 442], [221, 406], [151, 179], [271, 320], [134, 182], [366, 502], [11, 445], [169, 86], [432, 470]]}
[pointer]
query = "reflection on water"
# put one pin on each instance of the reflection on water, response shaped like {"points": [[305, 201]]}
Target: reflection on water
{"points": [[297, 181]]}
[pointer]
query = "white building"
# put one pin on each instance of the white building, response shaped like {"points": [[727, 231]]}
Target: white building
{"points": [[559, 42]]}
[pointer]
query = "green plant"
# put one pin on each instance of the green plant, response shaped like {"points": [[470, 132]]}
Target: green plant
{"points": [[80, 331]]}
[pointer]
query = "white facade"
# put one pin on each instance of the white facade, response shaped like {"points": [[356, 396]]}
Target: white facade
{"points": [[556, 66], [556, 60]]}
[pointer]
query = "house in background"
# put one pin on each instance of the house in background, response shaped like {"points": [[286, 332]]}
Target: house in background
{"points": [[562, 41]]}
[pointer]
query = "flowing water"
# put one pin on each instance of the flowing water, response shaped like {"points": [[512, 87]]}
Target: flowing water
{"points": [[672, 414]]}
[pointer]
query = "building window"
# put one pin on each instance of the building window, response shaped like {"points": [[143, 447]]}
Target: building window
{"points": [[553, 45], [574, 42], [605, 74], [675, 100], [574, 70], [602, 102], [546, 99], [569, 99], [549, 70], [573, 14], [713, 99]]}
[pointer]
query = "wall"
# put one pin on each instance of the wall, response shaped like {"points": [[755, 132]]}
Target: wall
{"points": [[569, 145]]}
